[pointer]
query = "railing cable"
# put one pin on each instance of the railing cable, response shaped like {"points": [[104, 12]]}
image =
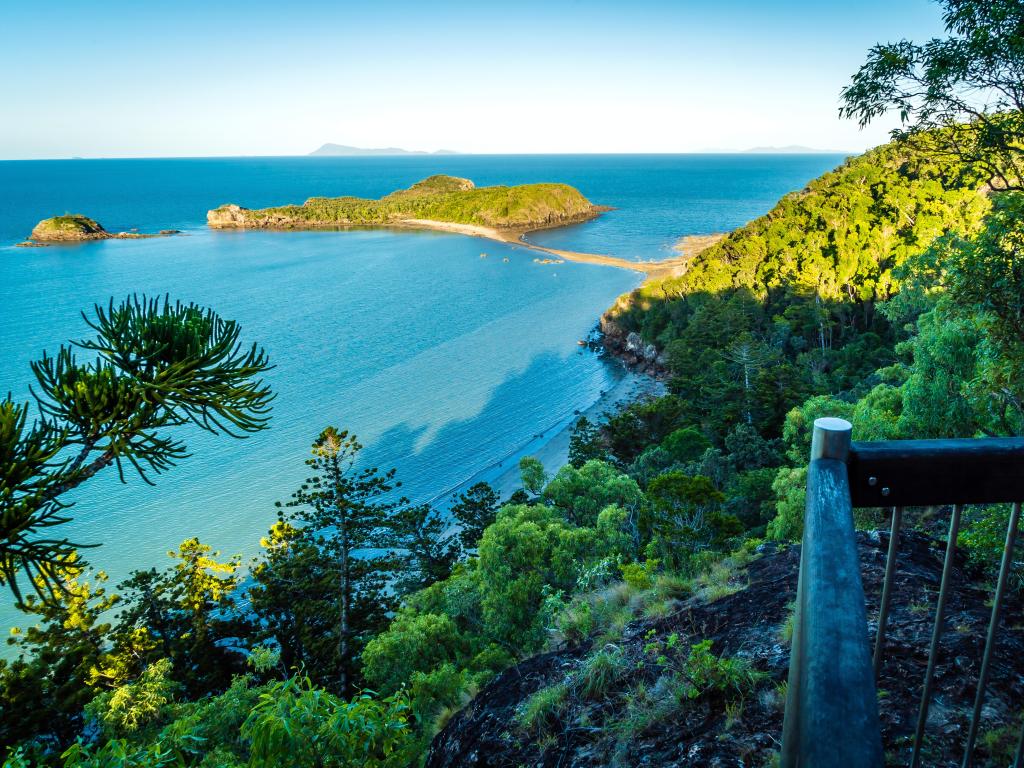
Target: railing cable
{"points": [[890, 574], [933, 651], [993, 628]]}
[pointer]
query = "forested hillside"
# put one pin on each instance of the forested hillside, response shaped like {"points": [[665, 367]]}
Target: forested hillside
{"points": [[334, 656], [632, 609], [788, 306]]}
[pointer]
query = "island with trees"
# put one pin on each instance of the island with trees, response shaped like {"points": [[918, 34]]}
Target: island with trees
{"points": [[76, 228], [448, 204], [436, 200]]}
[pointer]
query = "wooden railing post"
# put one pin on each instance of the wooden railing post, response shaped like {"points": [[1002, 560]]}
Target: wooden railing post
{"points": [[831, 718]]}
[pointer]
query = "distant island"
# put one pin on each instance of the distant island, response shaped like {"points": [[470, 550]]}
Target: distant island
{"points": [[76, 228], [792, 149], [342, 150]]}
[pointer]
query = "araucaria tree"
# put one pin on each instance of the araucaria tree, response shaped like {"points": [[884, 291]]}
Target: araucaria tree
{"points": [[962, 96], [336, 526], [154, 365]]}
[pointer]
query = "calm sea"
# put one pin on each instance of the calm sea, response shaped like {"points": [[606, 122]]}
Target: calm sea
{"points": [[441, 361]]}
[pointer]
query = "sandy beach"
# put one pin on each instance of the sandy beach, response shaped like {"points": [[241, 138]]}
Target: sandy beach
{"points": [[652, 269], [552, 446]]}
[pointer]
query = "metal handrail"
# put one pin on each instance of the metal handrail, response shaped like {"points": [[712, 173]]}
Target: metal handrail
{"points": [[831, 707]]}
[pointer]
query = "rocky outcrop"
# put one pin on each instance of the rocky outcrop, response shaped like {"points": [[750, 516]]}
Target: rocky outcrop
{"points": [[631, 348], [227, 216], [749, 624], [68, 228], [76, 228]]}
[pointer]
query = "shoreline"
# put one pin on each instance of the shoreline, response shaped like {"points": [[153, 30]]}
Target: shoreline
{"points": [[551, 446], [653, 270]]}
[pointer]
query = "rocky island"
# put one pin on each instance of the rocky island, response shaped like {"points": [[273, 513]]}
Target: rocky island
{"points": [[76, 228], [436, 200], [448, 204]]}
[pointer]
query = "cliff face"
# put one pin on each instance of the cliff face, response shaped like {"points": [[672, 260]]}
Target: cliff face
{"points": [[439, 198], [635, 721]]}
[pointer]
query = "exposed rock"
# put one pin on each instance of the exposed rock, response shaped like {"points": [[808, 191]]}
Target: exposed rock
{"points": [[747, 623], [631, 348], [230, 215], [76, 228], [68, 228]]}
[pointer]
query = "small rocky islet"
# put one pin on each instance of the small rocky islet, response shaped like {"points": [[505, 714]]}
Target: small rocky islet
{"points": [[77, 228]]}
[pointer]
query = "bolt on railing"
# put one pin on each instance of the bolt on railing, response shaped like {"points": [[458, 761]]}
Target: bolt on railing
{"points": [[901, 473]]}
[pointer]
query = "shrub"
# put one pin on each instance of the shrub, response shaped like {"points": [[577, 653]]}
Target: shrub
{"points": [[790, 488], [707, 672], [640, 575], [600, 671]]}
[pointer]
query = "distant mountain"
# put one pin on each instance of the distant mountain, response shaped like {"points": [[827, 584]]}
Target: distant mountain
{"points": [[792, 149], [341, 150]]}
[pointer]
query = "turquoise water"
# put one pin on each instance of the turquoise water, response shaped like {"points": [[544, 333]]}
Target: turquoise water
{"points": [[441, 361]]}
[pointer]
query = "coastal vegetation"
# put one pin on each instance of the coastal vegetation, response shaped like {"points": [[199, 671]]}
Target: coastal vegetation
{"points": [[438, 198], [631, 608]]}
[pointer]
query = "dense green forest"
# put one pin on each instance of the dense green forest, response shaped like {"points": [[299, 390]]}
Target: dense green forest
{"points": [[890, 292], [438, 198]]}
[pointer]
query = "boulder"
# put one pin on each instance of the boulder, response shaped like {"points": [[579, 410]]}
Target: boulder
{"points": [[226, 216]]}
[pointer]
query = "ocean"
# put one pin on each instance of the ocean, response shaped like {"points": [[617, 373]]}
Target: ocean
{"points": [[445, 354]]}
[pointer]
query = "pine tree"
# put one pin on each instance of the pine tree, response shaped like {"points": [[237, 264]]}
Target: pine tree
{"points": [[156, 366], [586, 443], [426, 549], [475, 510], [341, 517]]}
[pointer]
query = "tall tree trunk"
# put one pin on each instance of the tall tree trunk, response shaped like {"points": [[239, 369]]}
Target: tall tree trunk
{"points": [[343, 625]]}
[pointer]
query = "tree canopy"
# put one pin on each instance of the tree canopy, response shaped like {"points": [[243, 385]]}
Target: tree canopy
{"points": [[962, 96], [153, 366]]}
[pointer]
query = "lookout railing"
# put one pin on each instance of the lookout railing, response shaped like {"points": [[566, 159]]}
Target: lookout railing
{"points": [[831, 718]]}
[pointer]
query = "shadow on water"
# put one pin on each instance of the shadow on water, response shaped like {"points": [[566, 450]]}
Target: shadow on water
{"points": [[490, 443]]}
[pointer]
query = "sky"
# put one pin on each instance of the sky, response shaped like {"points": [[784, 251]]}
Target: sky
{"points": [[187, 79]]}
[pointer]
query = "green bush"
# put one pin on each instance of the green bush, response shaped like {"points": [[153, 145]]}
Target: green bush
{"points": [[640, 575]]}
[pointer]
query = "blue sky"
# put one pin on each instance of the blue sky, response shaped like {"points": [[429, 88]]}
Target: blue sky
{"points": [[132, 79]]}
